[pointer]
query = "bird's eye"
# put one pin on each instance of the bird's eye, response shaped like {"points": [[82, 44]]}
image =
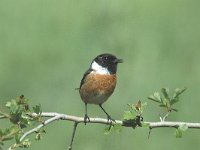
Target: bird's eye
{"points": [[101, 58]]}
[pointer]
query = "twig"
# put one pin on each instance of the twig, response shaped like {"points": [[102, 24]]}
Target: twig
{"points": [[57, 116], [36, 129], [150, 129], [105, 121], [73, 134], [2, 117], [171, 124], [166, 115]]}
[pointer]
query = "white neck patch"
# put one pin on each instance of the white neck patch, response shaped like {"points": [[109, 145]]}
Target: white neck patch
{"points": [[99, 69]]}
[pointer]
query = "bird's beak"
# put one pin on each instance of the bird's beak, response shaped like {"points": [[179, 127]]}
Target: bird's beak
{"points": [[119, 60]]}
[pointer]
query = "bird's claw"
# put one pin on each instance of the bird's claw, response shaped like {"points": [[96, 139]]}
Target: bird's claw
{"points": [[86, 119], [110, 121]]}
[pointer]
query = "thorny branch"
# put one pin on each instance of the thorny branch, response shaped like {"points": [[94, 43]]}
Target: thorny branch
{"points": [[57, 116]]}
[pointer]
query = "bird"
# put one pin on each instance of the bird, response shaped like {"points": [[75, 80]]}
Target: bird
{"points": [[99, 82]]}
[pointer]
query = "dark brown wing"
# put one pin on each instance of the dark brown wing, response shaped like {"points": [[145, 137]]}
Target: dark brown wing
{"points": [[84, 76]]}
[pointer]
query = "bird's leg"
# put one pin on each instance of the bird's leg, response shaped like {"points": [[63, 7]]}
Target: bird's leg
{"points": [[110, 119], [86, 116]]}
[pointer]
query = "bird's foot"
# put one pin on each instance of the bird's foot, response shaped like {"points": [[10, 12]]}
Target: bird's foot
{"points": [[86, 119], [110, 121]]}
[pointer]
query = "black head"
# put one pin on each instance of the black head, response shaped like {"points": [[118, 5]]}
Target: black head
{"points": [[108, 61]]}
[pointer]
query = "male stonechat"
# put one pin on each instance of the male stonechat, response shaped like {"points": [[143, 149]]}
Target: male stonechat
{"points": [[99, 81]]}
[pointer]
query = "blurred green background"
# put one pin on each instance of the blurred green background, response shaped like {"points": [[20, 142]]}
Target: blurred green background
{"points": [[46, 46]]}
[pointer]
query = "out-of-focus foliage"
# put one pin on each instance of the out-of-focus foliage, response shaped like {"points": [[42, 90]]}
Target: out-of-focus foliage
{"points": [[19, 115], [46, 46]]}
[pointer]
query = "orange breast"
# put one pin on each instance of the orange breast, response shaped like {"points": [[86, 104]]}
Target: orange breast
{"points": [[97, 88]]}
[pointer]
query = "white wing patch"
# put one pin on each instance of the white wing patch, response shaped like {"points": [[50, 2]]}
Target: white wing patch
{"points": [[99, 69]]}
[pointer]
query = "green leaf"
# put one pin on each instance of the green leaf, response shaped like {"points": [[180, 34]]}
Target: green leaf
{"points": [[26, 143], [165, 101], [154, 99], [1, 132], [129, 115], [13, 130], [176, 110], [17, 138], [12, 105], [165, 92], [143, 106], [176, 95], [178, 92], [178, 133], [162, 105], [23, 122], [174, 100], [8, 104], [107, 130], [157, 96], [7, 131], [151, 97], [117, 128], [37, 109], [38, 136], [183, 127]]}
